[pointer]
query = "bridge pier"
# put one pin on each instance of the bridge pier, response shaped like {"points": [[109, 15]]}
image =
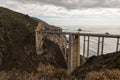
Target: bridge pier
{"points": [[74, 52], [38, 38]]}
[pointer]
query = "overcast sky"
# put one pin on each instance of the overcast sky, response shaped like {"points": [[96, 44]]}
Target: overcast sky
{"points": [[69, 12]]}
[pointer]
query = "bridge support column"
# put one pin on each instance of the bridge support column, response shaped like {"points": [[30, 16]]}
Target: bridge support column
{"points": [[38, 38], [74, 52]]}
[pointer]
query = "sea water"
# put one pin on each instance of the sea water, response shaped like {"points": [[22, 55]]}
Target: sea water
{"points": [[109, 43]]}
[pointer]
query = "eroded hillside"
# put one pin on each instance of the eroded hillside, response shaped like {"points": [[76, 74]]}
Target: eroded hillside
{"points": [[17, 43], [102, 67]]}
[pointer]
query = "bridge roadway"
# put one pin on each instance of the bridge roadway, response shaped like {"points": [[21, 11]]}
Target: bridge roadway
{"points": [[82, 34]]}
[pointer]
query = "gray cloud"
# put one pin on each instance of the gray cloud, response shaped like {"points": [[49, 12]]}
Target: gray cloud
{"points": [[77, 4]]}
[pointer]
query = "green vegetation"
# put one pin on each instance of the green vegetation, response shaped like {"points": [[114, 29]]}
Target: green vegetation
{"points": [[116, 63]]}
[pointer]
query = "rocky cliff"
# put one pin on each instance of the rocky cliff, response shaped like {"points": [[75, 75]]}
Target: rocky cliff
{"points": [[104, 67], [17, 43]]}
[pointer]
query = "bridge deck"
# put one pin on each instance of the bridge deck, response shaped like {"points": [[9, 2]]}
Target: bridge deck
{"points": [[74, 44], [82, 34]]}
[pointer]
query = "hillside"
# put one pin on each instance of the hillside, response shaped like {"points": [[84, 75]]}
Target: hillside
{"points": [[20, 61], [17, 43], [100, 68]]}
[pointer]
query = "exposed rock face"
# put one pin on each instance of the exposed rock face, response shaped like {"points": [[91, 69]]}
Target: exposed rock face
{"points": [[97, 63], [17, 46], [56, 58], [17, 43], [51, 47]]}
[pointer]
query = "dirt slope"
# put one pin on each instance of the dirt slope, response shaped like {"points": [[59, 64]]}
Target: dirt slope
{"points": [[97, 63], [17, 43]]}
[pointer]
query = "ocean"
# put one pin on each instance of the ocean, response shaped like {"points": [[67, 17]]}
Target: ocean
{"points": [[109, 43]]}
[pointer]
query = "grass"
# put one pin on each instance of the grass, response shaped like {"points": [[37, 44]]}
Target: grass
{"points": [[104, 74]]}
